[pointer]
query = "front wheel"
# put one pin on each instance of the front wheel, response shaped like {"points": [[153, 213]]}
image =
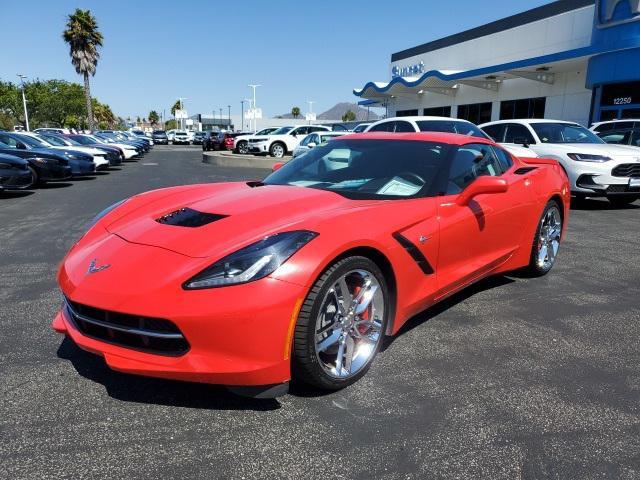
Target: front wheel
{"points": [[622, 200], [243, 148], [277, 150], [546, 242], [341, 324]]}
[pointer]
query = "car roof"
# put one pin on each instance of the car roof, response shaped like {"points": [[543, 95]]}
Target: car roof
{"points": [[528, 121], [440, 137], [618, 120], [417, 118]]}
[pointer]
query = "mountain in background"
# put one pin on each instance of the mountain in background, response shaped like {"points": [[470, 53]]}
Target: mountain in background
{"points": [[336, 112]]}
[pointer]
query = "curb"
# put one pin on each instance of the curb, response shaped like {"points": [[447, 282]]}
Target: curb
{"points": [[234, 160]]}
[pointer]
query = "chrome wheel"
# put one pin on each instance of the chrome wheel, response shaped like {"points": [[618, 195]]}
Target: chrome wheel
{"points": [[243, 148], [277, 150], [348, 327], [549, 238]]}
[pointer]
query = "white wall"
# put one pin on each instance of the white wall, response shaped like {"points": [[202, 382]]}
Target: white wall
{"points": [[551, 35]]}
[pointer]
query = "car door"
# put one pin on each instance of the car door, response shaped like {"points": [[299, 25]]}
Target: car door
{"points": [[478, 237]]}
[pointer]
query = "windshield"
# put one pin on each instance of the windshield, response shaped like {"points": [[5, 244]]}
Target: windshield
{"points": [[361, 127], [53, 140], [564, 133], [281, 131], [367, 169], [84, 140], [266, 131], [450, 126]]}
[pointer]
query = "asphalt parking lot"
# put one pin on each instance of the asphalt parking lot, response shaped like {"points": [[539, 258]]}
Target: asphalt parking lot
{"points": [[513, 378]]}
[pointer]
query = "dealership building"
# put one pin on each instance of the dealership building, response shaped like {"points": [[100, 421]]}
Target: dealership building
{"points": [[576, 60]]}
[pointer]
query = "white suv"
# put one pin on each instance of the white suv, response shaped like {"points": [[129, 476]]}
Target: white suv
{"points": [[240, 143], [594, 168], [283, 140]]}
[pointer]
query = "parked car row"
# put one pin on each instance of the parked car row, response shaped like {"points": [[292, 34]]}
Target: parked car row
{"points": [[29, 159]]}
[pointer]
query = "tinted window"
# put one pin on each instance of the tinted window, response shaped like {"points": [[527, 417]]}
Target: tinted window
{"points": [[524, 108], [564, 133], [504, 158], [407, 113], [383, 127], [475, 112], [300, 131], [403, 127], [616, 136], [437, 112], [518, 133], [367, 168], [470, 162], [450, 126], [496, 132], [8, 141], [635, 138]]}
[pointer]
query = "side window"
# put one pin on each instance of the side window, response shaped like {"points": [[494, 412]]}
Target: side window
{"points": [[383, 127], [517, 133], [616, 136], [495, 131], [504, 158], [301, 131], [7, 140], [305, 140], [318, 129], [402, 126], [470, 162], [635, 138]]}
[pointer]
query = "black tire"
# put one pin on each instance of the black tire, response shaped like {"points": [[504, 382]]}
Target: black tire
{"points": [[35, 178], [534, 269], [277, 150], [622, 200], [305, 364], [242, 147]]}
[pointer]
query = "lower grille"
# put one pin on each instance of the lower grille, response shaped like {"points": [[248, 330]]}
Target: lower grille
{"points": [[153, 335], [626, 170], [617, 188]]}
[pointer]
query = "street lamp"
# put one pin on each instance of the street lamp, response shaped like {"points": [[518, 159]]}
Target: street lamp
{"points": [[181, 100], [255, 120], [241, 115], [250, 102], [229, 109], [220, 116], [24, 101]]}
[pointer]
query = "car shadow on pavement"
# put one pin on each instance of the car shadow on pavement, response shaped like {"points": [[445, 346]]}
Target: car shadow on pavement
{"points": [[444, 305], [54, 185], [599, 204], [135, 388], [16, 193]]}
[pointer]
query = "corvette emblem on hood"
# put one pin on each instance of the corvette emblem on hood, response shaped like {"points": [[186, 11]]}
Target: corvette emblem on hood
{"points": [[93, 269]]}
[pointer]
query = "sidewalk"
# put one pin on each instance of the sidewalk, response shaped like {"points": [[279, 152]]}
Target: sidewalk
{"points": [[226, 158]]}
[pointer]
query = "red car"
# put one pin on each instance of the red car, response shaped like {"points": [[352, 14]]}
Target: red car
{"points": [[251, 284]]}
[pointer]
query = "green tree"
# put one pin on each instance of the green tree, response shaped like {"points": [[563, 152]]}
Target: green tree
{"points": [[295, 111], [154, 118], [348, 116], [84, 39], [170, 124], [176, 106]]}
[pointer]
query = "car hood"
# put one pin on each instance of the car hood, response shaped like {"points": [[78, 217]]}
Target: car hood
{"points": [[606, 149], [244, 214], [87, 150]]}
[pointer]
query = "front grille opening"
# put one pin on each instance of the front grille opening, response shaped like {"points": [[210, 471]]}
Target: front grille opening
{"points": [[627, 170], [187, 217], [153, 335]]}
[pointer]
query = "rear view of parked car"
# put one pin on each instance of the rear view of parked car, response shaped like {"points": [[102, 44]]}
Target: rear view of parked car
{"points": [[160, 137], [181, 138], [198, 138]]}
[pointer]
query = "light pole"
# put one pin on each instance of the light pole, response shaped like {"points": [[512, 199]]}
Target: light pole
{"points": [[24, 101], [229, 110], [181, 100], [255, 120], [241, 115], [220, 115], [310, 102]]}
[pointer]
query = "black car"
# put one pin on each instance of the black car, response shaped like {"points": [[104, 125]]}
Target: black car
{"points": [[81, 163], [14, 173], [43, 166], [198, 138], [159, 137]]}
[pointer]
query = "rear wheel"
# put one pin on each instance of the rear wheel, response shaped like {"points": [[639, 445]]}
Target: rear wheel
{"points": [[622, 200], [546, 241], [277, 150], [341, 324]]}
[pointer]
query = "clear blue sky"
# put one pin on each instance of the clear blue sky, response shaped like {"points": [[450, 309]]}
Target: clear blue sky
{"points": [[155, 51]]}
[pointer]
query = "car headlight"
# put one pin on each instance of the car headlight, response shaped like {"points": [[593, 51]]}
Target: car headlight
{"points": [[97, 218], [585, 157], [253, 262]]}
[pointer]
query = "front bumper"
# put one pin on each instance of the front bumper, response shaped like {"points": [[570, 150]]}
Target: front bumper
{"points": [[15, 179], [81, 168], [259, 147], [602, 186], [49, 170], [238, 335]]}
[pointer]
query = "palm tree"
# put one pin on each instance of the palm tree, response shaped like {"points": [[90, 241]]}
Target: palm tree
{"points": [[295, 111], [84, 39], [154, 118]]}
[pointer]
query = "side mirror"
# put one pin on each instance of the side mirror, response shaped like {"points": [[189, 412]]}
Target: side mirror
{"points": [[311, 144], [277, 166], [482, 185], [521, 141]]}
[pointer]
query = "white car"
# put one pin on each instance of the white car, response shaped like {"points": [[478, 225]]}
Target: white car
{"points": [[182, 137], [621, 132], [594, 168], [283, 140], [241, 142], [99, 157], [361, 127], [313, 140], [170, 134], [140, 134], [129, 151]]}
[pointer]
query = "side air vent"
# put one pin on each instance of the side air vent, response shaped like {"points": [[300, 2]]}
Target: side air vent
{"points": [[187, 217], [415, 253], [523, 170]]}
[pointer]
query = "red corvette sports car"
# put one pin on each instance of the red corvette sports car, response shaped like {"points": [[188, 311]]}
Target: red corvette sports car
{"points": [[251, 284]]}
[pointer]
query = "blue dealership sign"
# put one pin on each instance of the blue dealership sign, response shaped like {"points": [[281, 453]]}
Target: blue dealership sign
{"points": [[615, 12]]}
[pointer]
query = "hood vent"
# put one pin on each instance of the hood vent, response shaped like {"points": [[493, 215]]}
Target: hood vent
{"points": [[187, 217]]}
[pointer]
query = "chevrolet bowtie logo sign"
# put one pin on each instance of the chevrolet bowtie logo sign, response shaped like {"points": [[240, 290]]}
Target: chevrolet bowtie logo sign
{"points": [[612, 12]]}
